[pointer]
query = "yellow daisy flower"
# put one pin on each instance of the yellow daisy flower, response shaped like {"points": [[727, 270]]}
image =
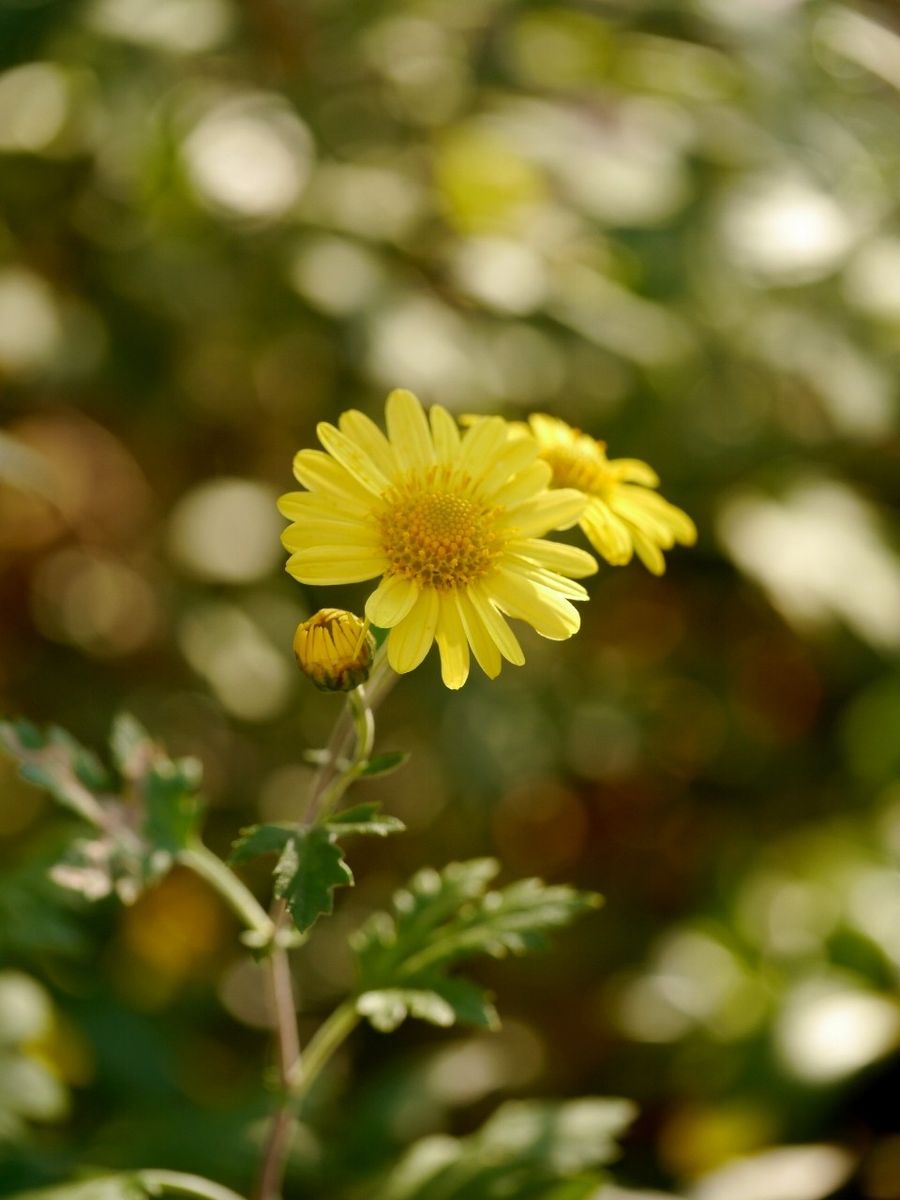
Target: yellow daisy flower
{"points": [[624, 515], [454, 525]]}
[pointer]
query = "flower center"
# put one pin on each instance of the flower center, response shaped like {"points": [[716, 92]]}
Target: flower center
{"points": [[437, 537], [574, 469]]}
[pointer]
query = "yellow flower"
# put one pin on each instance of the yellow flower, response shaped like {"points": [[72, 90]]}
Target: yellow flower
{"points": [[335, 649], [452, 522], [624, 515]]}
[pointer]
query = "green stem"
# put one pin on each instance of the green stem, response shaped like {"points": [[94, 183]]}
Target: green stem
{"points": [[363, 725], [156, 1182], [201, 860], [329, 1036]]}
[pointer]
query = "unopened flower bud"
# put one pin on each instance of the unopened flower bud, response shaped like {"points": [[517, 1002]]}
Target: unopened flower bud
{"points": [[335, 649]]}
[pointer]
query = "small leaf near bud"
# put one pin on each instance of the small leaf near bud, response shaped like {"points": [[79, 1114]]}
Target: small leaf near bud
{"points": [[335, 649]]}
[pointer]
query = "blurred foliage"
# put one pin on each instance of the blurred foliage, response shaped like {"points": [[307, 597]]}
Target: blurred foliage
{"points": [[672, 223]]}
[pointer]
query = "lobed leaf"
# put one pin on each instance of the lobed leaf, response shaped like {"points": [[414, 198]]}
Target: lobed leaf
{"points": [[442, 918], [533, 1150]]}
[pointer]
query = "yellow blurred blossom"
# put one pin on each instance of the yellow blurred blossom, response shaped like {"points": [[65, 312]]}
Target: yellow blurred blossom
{"points": [[624, 514]]}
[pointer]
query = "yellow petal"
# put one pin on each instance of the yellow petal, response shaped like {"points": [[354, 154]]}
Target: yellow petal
{"points": [[410, 641], [556, 509], [524, 486], [391, 601], [349, 455], [307, 506], [515, 456], [557, 556], [452, 643], [321, 474], [483, 645], [328, 535], [330, 571], [363, 430], [408, 430], [500, 633], [445, 433], [632, 470], [481, 444], [607, 533], [547, 612]]}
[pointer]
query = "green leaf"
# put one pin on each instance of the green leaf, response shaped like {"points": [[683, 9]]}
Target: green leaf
{"points": [[533, 1150], [55, 762], [257, 840], [364, 819], [385, 764], [310, 868], [447, 1002], [442, 918]]}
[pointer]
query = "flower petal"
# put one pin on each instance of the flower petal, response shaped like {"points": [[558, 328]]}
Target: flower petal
{"points": [[557, 556], [632, 470], [320, 473], [320, 567], [391, 601], [342, 536], [408, 430], [481, 443], [366, 434], [452, 643], [527, 483], [500, 633], [556, 509], [445, 433], [607, 533], [483, 645], [349, 455], [410, 641], [547, 612]]}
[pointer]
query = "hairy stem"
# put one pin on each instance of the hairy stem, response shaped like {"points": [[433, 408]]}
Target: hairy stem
{"points": [[297, 1071]]}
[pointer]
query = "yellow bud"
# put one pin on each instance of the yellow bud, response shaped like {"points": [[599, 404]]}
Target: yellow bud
{"points": [[335, 649]]}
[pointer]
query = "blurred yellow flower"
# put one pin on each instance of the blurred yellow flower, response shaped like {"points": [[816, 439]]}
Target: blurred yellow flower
{"points": [[335, 649], [624, 515], [453, 523]]}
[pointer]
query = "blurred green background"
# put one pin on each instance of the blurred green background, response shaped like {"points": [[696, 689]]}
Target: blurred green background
{"points": [[673, 224]]}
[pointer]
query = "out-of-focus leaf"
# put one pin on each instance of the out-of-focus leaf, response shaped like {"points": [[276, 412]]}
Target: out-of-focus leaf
{"points": [[446, 1002], [532, 1150], [364, 819], [385, 764], [441, 918], [57, 763]]}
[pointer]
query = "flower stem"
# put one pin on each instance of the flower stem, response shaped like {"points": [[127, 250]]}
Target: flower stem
{"points": [[240, 899], [297, 1071]]}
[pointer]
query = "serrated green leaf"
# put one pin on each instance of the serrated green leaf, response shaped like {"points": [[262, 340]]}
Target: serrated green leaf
{"points": [[385, 764], [171, 805], [442, 918], [364, 819], [132, 747], [446, 1002], [533, 1150], [310, 868], [257, 840], [56, 763]]}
